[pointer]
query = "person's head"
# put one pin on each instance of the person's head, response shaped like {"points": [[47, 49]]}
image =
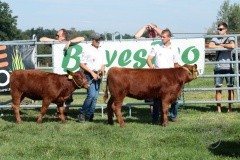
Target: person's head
{"points": [[166, 36], [96, 38], [61, 35], [151, 32], [222, 28]]}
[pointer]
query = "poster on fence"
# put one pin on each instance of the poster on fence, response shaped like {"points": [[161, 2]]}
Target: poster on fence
{"points": [[128, 54], [14, 57]]}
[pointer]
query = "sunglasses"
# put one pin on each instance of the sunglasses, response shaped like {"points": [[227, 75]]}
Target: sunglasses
{"points": [[220, 29]]}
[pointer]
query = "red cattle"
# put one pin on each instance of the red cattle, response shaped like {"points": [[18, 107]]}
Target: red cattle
{"points": [[163, 84], [45, 86]]}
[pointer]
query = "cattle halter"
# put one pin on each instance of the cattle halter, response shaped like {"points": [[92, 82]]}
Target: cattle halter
{"points": [[194, 70], [77, 84]]}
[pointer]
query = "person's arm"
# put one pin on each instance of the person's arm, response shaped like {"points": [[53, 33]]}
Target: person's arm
{"points": [[230, 45], [46, 39], [213, 45], [158, 30], [140, 32], [102, 70], [74, 40], [149, 62], [85, 68]]}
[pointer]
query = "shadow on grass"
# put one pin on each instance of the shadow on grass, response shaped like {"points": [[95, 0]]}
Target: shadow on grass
{"points": [[210, 108], [138, 115], [227, 149]]}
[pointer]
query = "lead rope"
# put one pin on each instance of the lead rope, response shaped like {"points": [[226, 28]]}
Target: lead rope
{"points": [[78, 85], [99, 74]]}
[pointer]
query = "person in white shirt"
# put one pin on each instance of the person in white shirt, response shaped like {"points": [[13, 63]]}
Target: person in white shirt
{"points": [[166, 56], [92, 61]]}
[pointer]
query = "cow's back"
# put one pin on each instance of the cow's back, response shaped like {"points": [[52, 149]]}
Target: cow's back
{"points": [[33, 83], [139, 83]]}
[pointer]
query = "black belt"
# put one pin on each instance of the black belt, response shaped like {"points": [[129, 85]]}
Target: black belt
{"points": [[89, 73]]}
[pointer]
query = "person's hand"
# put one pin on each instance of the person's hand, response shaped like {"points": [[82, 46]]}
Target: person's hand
{"points": [[67, 45], [95, 76], [149, 27]]}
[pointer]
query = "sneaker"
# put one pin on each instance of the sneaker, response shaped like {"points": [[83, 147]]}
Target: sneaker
{"points": [[81, 117], [154, 122], [175, 120], [90, 120]]}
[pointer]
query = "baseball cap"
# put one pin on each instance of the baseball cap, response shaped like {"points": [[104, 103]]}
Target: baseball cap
{"points": [[95, 36]]}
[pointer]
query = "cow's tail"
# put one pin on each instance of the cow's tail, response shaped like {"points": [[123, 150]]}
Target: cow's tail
{"points": [[105, 97]]}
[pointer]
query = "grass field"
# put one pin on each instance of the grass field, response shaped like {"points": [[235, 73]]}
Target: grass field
{"points": [[202, 133]]}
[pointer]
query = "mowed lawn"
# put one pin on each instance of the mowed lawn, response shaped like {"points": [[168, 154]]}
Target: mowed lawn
{"points": [[202, 133]]}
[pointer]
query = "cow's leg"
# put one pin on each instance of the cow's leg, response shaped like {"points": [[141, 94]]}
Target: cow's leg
{"points": [[117, 106], [16, 100], [45, 104], [110, 111], [164, 113], [61, 113]]}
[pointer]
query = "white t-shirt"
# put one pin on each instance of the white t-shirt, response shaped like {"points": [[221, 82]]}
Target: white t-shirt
{"points": [[165, 57], [93, 57]]}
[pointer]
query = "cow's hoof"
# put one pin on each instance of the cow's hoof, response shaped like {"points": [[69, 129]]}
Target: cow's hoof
{"points": [[39, 121], [19, 122], [164, 124], [122, 125]]}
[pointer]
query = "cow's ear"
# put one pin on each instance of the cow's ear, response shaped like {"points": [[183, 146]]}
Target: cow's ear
{"points": [[195, 66], [70, 74]]}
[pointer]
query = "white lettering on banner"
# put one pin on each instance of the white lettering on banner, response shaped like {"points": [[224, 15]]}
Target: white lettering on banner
{"points": [[133, 54], [7, 80]]}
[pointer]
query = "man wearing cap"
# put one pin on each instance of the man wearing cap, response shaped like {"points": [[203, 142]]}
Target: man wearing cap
{"points": [[92, 61]]}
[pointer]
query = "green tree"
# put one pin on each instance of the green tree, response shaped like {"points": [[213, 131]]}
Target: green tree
{"points": [[8, 24], [230, 14]]}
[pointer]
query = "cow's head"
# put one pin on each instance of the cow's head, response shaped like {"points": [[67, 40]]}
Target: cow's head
{"points": [[78, 78], [192, 70]]}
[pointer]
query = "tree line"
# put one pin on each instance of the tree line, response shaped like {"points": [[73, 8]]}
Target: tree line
{"points": [[229, 13]]}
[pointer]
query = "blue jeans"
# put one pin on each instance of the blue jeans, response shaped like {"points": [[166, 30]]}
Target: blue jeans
{"points": [[92, 95], [156, 106]]}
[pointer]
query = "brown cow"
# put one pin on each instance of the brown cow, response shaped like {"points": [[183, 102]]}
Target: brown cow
{"points": [[45, 86], [163, 84]]}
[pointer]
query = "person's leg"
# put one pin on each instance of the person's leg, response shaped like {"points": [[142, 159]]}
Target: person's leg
{"points": [[156, 107], [218, 83], [230, 97], [94, 101], [88, 101], [230, 83], [68, 103], [174, 111], [219, 98]]}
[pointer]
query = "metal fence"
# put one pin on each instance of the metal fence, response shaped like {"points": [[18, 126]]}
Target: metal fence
{"points": [[182, 100]]}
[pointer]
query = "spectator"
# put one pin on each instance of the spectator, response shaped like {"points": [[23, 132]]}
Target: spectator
{"points": [[93, 61], [61, 36], [152, 31], [223, 68], [166, 56]]}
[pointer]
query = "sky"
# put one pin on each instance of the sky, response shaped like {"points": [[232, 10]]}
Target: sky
{"points": [[122, 16]]}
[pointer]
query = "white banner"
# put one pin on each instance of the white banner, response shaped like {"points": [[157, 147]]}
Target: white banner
{"points": [[129, 53]]}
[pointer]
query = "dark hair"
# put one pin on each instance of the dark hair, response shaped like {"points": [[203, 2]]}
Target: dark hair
{"points": [[223, 24], [167, 31], [64, 32]]}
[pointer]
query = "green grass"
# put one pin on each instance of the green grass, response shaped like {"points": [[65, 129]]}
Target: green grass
{"points": [[202, 133]]}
